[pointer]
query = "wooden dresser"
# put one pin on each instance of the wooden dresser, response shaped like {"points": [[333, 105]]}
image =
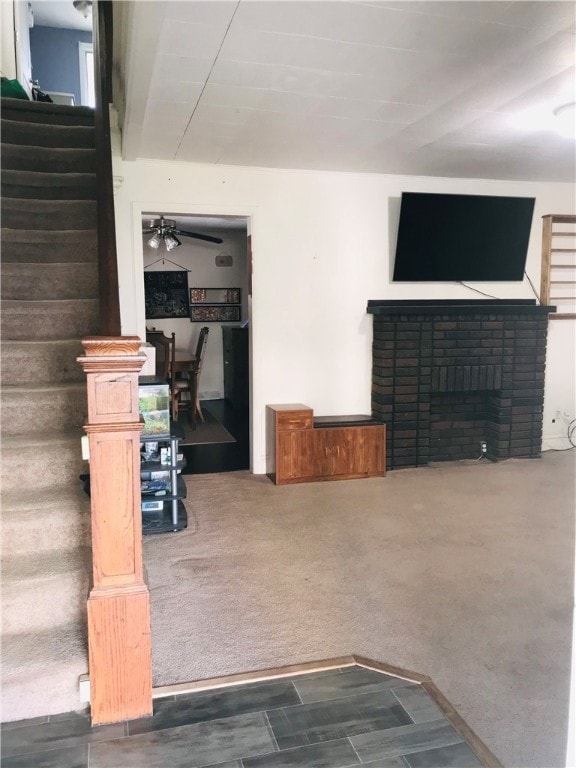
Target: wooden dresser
{"points": [[300, 452]]}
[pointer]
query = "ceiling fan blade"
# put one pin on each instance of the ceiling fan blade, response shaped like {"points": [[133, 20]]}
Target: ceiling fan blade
{"points": [[148, 231], [208, 238]]}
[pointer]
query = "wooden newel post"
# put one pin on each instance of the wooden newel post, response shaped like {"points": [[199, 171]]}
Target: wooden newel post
{"points": [[119, 647]]}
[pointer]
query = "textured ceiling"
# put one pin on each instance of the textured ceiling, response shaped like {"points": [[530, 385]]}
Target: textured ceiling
{"points": [[462, 89]]}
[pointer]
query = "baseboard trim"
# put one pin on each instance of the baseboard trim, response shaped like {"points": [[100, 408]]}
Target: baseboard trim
{"points": [[486, 757], [388, 669], [253, 677], [244, 677]]}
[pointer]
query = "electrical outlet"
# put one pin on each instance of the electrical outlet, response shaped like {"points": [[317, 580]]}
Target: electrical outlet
{"points": [[483, 446]]}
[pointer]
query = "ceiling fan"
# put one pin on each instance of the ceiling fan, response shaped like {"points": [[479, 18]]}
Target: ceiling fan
{"points": [[164, 230]]}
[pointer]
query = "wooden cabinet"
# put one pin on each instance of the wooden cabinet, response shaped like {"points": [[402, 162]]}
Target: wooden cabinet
{"points": [[300, 452], [236, 366]]}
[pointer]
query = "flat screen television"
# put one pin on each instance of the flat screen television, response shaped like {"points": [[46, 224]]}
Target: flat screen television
{"points": [[460, 238]]}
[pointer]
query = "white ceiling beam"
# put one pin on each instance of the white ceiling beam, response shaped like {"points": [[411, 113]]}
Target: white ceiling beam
{"points": [[141, 27]]}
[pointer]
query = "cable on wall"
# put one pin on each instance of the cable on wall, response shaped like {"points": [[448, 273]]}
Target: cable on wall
{"points": [[570, 435], [163, 259], [488, 295], [532, 286]]}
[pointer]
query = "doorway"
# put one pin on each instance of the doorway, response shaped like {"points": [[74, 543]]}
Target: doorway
{"points": [[213, 292], [60, 45]]}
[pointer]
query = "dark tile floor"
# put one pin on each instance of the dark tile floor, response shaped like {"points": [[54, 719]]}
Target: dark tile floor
{"points": [[331, 719], [221, 457]]}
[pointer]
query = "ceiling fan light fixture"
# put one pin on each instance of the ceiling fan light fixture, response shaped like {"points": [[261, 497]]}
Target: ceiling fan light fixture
{"points": [[166, 231], [84, 7], [171, 242], [154, 241], [565, 120]]}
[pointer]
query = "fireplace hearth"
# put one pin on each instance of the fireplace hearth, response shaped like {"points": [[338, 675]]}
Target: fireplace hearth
{"points": [[449, 375]]}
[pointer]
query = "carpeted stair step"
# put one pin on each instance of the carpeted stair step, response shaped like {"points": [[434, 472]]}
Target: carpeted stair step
{"points": [[35, 522], [40, 672], [35, 185], [48, 214], [29, 320], [42, 409], [35, 281], [49, 292], [42, 245], [44, 112], [43, 135], [43, 591], [48, 159], [47, 462], [53, 361]]}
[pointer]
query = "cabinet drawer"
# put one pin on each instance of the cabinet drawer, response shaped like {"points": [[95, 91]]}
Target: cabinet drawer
{"points": [[294, 420]]}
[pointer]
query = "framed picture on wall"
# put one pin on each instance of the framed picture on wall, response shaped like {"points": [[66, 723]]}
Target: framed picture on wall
{"points": [[214, 295], [218, 313], [166, 294]]}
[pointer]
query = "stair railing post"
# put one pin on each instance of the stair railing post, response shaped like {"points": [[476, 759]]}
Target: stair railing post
{"points": [[110, 323], [119, 642]]}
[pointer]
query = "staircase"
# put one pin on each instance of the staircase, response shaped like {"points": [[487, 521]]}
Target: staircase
{"points": [[49, 302]]}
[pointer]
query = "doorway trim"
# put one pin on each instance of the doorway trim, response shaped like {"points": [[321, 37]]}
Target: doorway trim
{"points": [[23, 20], [85, 51], [190, 209]]}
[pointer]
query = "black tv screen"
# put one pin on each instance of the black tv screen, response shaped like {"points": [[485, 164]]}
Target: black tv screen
{"points": [[462, 237]]}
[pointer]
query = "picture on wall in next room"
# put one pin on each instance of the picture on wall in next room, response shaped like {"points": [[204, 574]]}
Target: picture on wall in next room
{"points": [[166, 294]]}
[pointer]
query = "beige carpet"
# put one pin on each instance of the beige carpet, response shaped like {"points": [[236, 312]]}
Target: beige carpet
{"points": [[459, 571]]}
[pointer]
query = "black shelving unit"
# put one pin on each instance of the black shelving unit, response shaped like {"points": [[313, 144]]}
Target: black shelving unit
{"points": [[164, 513]]}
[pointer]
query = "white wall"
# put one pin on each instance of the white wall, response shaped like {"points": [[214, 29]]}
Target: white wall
{"points": [[7, 41], [15, 19], [322, 245], [560, 392], [200, 257], [23, 19]]}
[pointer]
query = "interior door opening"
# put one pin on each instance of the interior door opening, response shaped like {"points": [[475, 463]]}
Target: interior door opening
{"points": [[191, 282], [58, 37]]}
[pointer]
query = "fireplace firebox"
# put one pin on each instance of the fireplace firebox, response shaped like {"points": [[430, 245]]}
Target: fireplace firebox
{"points": [[448, 376]]}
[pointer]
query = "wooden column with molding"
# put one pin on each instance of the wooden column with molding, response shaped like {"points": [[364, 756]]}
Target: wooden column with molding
{"points": [[119, 645]]}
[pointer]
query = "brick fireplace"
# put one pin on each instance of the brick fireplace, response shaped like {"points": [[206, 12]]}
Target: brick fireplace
{"points": [[447, 375]]}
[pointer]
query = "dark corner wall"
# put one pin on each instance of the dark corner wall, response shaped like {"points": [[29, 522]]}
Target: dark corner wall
{"points": [[55, 63]]}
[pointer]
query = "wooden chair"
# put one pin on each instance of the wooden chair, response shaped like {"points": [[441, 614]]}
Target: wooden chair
{"points": [[166, 368], [165, 349], [185, 379]]}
